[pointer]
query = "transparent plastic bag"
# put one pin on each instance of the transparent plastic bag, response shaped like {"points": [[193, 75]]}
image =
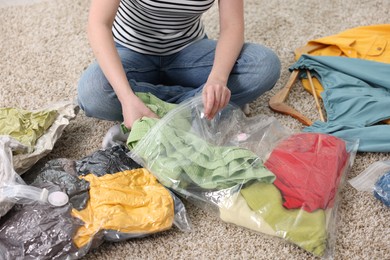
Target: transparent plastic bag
{"points": [[106, 206], [7, 173], [375, 179], [40, 135], [203, 158], [23, 194], [17, 158], [225, 165], [12, 188], [27, 207], [134, 204], [302, 203]]}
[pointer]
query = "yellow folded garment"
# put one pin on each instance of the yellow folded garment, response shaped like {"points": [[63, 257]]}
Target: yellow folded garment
{"points": [[127, 202]]}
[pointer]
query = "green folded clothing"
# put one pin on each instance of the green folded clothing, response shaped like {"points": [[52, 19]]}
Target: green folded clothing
{"points": [[179, 158], [156, 105], [307, 230], [176, 157]]}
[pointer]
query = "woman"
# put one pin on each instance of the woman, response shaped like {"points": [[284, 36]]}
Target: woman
{"points": [[161, 47]]}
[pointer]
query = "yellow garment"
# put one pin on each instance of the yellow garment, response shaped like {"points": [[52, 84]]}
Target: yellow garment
{"points": [[365, 42], [128, 202]]}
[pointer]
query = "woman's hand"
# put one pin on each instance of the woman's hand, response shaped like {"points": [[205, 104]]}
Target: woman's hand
{"points": [[100, 21], [134, 110], [216, 96]]}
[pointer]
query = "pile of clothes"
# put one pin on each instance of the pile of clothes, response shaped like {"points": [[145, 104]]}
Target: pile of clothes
{"points": [[252, 171]]}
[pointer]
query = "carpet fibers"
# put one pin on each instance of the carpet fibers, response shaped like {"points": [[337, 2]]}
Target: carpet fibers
{"points": [[44, 50]]}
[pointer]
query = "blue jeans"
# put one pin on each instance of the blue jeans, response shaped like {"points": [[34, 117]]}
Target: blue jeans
{"points": [[177, 77]]}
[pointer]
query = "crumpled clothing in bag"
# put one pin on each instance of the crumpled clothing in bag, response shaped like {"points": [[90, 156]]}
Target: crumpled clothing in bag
{"points": [[194, 156], [65, 111], [25, 126], [38, 231], [307, 230], [308, 168], [110, 160], [184, 157], [382, 189], [255, 203], [131, 201]]}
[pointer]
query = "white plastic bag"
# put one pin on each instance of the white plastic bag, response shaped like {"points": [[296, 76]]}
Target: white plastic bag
{"points": [[375, 179], [12, 188], [66, 110]]}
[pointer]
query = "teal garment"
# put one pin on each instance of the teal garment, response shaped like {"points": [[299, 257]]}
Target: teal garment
{"points": [[305, 229], [25, 126], [356, 97]]}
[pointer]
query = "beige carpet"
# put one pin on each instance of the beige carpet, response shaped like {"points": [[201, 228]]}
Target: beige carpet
{"points": [[43, 51]]}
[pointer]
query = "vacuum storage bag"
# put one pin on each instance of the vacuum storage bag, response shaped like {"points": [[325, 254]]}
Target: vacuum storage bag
{"points": [[251, 171]]}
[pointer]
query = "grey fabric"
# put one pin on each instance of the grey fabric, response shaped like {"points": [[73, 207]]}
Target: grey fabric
{"points": [[38, 231], [61, 174], [110, 160]]}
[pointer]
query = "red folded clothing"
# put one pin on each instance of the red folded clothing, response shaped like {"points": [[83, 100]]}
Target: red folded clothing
{"points": [[308, 168]]}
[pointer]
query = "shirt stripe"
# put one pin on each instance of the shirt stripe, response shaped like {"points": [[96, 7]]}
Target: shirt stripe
{"points": [[159, 27]]}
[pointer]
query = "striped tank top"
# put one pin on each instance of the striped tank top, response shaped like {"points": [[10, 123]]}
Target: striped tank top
{"points": [[159, 27]]}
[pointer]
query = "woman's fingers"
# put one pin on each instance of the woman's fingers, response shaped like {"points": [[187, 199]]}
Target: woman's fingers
{"points": [[215, 97]]}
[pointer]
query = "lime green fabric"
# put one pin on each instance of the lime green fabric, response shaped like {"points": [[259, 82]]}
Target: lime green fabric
{"points": [[235, 210], [156, 105], [140, 128], [179, 158], [307, 230], [25, 126]]}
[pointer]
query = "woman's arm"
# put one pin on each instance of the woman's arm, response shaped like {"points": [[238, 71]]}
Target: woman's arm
{"points": [[216, 94], [101, 17]]}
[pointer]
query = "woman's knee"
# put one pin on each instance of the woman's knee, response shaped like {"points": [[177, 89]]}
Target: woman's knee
{"points": [[273, 67], [96, 97], [257, 70], [265, 64]]}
